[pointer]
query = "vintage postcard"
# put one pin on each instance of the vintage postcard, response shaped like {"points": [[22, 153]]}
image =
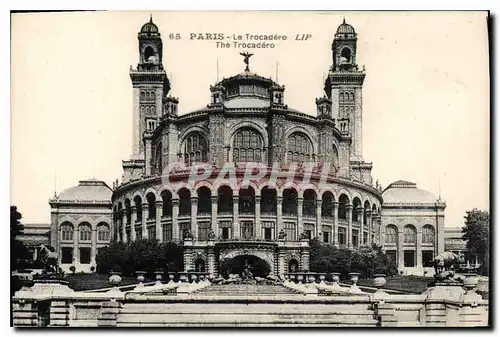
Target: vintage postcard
{"points": [[250, 169]]}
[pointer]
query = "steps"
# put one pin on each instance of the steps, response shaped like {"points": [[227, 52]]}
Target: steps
{"points": [[240, 305], [246, 290]]}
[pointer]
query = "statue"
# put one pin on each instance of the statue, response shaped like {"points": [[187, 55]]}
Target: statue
{"points": [[246, 60], [281, 235], [247, 272], [303, 236], [444, 265], [211, 235], [188, 235], [48, 257]]}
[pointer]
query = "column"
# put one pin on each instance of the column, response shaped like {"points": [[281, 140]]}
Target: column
{"points": [[211, 261], [419, 248], [279, 215], [349, 225], [381, 236], [175, 224], [361, 220], [145, 208], [369, 225], [194, 213], [401, 260], [159, 208], [300, 222], [258, 225], [93, 247], [76, 237], [335, 223], [124, 226], [133, 220], [319, 202], [236, 225], [215, 225]]}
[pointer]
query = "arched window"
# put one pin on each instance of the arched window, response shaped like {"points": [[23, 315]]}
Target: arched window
{"points": [[151, 199], [166, 197], [195, 148], [309, 203], [248, 146], [290, 201], [102, 232], [346, 54], [67, 232], [138, 208], [128, 211], [85, 232], [149, 54], [428, 234], [268, 200], [356, 206], [343, 202], [327, 204], [204, 200], [391, 234], [299, 148], [184, 201], [410, 234], [246, 200]]}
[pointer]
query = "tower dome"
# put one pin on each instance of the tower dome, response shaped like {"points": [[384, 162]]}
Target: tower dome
{"points": [[149, 27], [345, 28]]}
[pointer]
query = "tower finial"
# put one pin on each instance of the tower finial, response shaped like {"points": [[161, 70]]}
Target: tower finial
{"points": [[343, 21], [150, 18]]}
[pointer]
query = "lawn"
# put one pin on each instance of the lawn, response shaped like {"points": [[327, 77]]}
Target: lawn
{"points": [[79, 282], [412, 284]]}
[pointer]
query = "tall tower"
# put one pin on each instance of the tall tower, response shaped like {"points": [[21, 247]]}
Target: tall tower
{"points": [[150, 86], [344, 84]]}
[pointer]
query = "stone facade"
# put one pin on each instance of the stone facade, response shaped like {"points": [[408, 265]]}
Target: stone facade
{"points": [[81, 224], [247, 121], [308, 177], [412, 230]]}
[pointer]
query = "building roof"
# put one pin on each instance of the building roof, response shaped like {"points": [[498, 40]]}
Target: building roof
{"points": [[149, 27], [406, 192], [90, 190], [345, 28]]}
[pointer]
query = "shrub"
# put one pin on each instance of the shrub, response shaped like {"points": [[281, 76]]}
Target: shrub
{"points": [[72, 269], [144, 254], [325, 258]]}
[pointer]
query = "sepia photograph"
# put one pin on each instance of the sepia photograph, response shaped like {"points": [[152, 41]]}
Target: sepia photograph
{"points": [[180, 169]]}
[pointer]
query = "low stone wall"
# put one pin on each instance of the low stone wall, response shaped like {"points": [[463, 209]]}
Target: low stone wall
{"points": [[178, 304]]}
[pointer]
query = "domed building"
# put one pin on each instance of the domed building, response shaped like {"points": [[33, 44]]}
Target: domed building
{"points": [[412, 230], [246, 176], [81, 223]]}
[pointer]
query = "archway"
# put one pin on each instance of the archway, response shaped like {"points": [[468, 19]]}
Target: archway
{"points": [[239, 263]]}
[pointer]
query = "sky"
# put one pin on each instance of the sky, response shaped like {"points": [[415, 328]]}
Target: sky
{"points": [[425, 97]]}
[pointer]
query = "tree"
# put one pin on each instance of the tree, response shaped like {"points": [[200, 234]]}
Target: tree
{"points": [[18, 251], [144, 254], [477, 235], [325, 258]]}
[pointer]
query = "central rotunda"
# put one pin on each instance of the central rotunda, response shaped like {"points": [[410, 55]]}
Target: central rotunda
{"points": [[247, 175]]}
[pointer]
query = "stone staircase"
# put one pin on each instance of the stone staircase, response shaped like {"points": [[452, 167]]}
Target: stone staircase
{"points": [[241, 305], [246, 290]]}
